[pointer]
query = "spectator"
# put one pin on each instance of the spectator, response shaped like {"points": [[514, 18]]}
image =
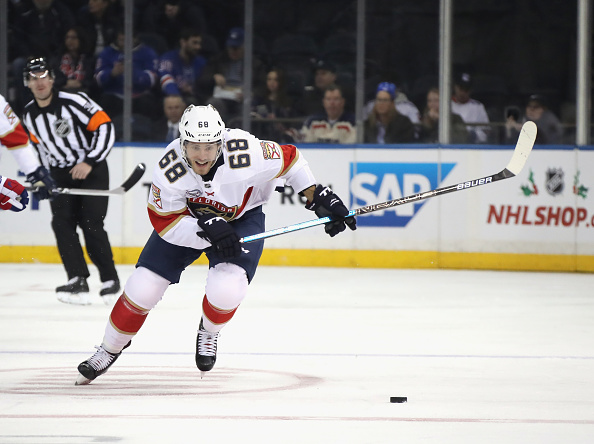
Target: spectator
{"points": [[403, 105], [271, 101], [179, 69], [549, 128], [385, 124], [311, 102], [166, 129], [109, 74], [100, 21], [334, 125], [223, 76], [168, 17], [430, 122], [471, 110], [38, 29], [75, 65]]}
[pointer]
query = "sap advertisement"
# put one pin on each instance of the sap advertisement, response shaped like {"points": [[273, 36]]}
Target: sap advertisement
{"points": [[547, 209]]}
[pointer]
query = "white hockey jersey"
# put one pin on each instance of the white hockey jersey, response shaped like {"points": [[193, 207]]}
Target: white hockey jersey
{"points": [[14, 137], [250, 172]]}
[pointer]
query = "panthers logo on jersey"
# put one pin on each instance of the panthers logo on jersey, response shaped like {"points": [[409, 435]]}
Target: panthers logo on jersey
{"points": [[199, 206]]}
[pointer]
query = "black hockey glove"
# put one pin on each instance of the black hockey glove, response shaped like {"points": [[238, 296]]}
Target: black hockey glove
{"points": [[221, 235], [42, 175], [326, 203]]}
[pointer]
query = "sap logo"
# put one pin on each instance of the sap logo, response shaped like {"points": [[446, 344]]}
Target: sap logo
{"points": [[372, 183]]}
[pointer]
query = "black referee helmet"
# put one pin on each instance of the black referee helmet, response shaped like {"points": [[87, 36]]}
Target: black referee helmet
{"points": [[36, 65]]}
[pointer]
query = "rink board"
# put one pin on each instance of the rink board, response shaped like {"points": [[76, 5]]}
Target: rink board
{"points": [[540, 220]]}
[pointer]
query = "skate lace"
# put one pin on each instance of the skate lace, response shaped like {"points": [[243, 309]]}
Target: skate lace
{"points": [[101, 359], [207, 342]]}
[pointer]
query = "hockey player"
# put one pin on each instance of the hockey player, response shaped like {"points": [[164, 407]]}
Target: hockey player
{"points": [[207, 192], [14, 137]]}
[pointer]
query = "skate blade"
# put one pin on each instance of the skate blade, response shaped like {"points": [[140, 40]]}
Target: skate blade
{"points": [[79, 299], [81, 380]]}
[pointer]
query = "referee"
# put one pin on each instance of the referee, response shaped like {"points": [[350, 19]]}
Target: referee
{"points": [[74, 136]]}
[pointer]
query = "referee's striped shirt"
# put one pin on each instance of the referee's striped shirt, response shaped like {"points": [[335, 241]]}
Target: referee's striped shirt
{"points": [[71, 129]]}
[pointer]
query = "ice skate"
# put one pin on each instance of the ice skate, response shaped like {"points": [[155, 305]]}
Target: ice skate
{"points": [[96, 365], [75, 291], [110, 291], [206, 349]]}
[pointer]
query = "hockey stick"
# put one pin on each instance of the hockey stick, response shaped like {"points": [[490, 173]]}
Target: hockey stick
{"points": [[129, 183], [513, 168]]}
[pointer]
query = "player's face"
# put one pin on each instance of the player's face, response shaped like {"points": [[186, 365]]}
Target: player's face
{"points": [[41, 83], [201, 155]]}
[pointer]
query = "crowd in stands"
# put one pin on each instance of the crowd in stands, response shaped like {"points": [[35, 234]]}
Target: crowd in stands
{"points": [[302, 91]]}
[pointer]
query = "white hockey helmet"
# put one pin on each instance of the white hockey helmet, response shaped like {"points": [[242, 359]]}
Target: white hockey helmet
{"points": [[201, 124]]}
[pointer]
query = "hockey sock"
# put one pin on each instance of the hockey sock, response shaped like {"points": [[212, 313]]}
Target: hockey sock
{"points": [[124, 322], [215, 318]]}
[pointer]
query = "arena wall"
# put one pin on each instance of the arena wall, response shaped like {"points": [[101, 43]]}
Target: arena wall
{"points": [[540, 220]]}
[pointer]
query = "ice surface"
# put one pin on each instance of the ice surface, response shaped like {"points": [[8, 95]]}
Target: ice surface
{"points": [[311, 356]]}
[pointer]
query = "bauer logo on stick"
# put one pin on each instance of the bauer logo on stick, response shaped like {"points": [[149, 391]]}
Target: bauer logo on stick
{"points": [[474, 183]]}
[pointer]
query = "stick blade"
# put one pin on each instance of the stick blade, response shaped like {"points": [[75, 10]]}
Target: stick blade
{"points": [[523, 148], [134, 177]]}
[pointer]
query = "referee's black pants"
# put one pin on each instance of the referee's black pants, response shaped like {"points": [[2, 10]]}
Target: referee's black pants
{"points": [[88, 213]]}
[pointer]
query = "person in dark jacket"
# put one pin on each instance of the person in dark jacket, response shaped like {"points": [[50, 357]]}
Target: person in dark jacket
{"points": [[430, 122], [550, 130], [385, 124]]}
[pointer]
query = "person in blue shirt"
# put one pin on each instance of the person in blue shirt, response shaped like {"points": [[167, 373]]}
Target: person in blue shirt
{"points": [[109, 75], [180, 68]]}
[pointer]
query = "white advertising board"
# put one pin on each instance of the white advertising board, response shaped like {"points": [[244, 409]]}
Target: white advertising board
{"points": [[547, 209]]}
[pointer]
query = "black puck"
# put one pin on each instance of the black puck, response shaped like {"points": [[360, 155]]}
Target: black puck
{"points": [[398, 399]]}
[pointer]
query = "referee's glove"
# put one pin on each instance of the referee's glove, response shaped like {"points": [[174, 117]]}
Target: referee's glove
{"points": [[49, 190]]}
